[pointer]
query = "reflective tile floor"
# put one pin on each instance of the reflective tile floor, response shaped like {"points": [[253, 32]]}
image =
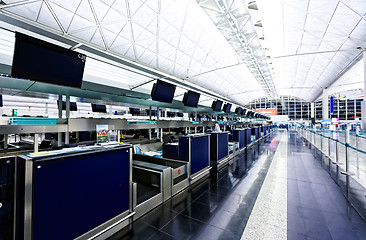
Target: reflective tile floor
{"points": [[222, 206]]}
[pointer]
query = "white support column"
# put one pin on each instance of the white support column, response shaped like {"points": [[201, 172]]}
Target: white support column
{"points": [[35, 142], [67, 134], [325, 109], [312, 110], [59, 135], [5, 141], [363, 104]]}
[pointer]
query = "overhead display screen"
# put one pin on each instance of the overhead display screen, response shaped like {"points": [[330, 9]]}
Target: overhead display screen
{"points": [[38, 60], [163, 92], [99, 108], [191, 99], [216, 105]]}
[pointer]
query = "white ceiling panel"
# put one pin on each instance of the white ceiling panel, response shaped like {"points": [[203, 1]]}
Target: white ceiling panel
{"points": [[317, 40]]}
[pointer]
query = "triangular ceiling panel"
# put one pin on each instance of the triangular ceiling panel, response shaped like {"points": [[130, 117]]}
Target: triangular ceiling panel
{"points": [[121, 7], [97, 39], [69, 5], [67, 15], [29, 10], [101, 10], [79, 23], [86, 34], [85, 11], [45, 17]]}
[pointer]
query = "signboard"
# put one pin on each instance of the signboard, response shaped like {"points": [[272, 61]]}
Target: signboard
{"points": [[102, 133], [267, 111], [331, 111]]}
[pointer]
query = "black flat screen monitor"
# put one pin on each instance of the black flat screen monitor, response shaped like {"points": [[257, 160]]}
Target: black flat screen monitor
{"points": [[1, 101], [180, 114], [135, 111], [216, 105], [73, 106], [191, 99], [163, 92], [227, 108], [99, 108], [38, 60], [238, 110], [170, 114], [243, 112]]}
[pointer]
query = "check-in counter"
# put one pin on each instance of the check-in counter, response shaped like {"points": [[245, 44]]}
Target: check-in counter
{"points": [[261, 131], [239, 136], [255, 133], [179, 171], [195, 149], [7, 171], [248, 136], [219, 148], [171, 150], [75, 193], [152, 186]]}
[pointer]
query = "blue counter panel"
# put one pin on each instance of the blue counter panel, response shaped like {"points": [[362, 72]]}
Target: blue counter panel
{"points": [[7, 168], [200, 152], [255, 132], [239, 136], [184, 148], [171, 151], [248, 139], [74, 194], [200, 156], [223, 145]]}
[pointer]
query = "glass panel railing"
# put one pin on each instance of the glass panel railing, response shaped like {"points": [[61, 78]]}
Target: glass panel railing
{"points": [[346, 163]]}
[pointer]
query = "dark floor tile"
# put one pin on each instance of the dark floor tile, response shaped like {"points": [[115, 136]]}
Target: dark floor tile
{"points": [[345, 234], [159, 217], [199, 211], [293, 235], [183, 227], [138, 230], [317, 229], [313, 214], [213, 233], [296, 223], [228, 221]]}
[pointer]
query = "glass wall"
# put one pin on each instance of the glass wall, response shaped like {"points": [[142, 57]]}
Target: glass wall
{"points": [[296, 109]]}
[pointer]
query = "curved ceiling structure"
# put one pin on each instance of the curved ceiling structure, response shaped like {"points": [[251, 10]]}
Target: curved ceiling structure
{"points": [[237, 49], [312, 43], [175, 37]]}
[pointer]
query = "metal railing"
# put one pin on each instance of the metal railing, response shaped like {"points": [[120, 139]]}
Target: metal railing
{"points": [[342, 154]]}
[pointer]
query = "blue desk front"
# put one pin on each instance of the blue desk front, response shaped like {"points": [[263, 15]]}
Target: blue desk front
{"points": [[239, 136], [76, 192], [219, 142], [255, 132], [195, 149], [7, 168], [248, 138]]}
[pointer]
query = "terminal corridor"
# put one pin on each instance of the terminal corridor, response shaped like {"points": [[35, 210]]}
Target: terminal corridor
{"points": [[278, 190]]}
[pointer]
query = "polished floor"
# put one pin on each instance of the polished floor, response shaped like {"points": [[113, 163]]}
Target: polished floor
{"points": [[275, 190]]}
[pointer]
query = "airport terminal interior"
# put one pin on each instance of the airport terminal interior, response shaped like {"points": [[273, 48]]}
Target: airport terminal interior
{"points": [[182, 119]]}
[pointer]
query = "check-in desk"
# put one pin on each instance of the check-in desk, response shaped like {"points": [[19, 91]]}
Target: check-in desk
{"points": [[178, 176], [152, 186], [171, 150], [7, 170], [75, 193], [248, 136], [239, 136], [255, 133], [219, 150], [195, 150]]}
